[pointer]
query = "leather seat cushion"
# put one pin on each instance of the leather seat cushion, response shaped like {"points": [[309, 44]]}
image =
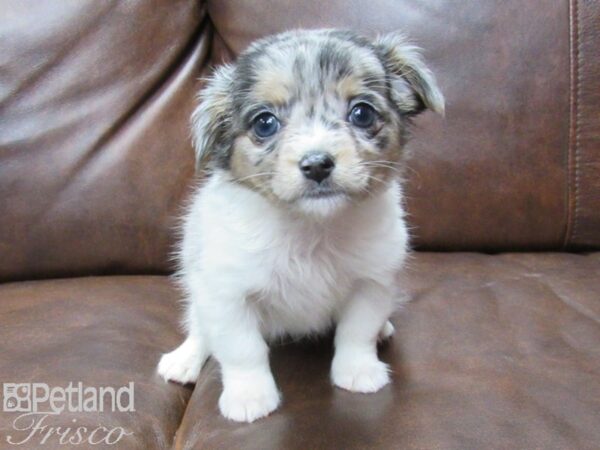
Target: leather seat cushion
{"points": [[103, 331], [492, 352]]}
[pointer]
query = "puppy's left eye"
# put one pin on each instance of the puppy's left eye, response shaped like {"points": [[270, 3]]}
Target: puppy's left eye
{"points": [[362, 115], [265, 125]]}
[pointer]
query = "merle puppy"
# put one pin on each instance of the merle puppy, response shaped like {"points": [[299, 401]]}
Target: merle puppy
{"points": [[300, 226]]}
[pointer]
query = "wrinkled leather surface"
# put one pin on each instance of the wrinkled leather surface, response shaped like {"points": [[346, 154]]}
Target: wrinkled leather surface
{"points": [[103, 332], [494, 352], [95, 154], [95, 161]]}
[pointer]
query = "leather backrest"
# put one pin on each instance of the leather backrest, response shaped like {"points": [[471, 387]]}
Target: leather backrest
{"points": [[584, 144], [516, 162], [95, 98], [95, 154]]}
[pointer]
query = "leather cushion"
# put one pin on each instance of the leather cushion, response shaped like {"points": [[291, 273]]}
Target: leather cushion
{"points": [[492, 352], [102, 332]]}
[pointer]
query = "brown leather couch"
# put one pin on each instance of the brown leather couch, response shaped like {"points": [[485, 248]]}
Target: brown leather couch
{"points": [[500, 346]]}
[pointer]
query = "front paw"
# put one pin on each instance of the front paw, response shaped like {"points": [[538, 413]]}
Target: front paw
{"points": [[357, 374], [247, 397], [183, 364]]}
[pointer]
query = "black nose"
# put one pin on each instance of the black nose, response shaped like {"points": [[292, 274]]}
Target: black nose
{"points": [[316, 165]]}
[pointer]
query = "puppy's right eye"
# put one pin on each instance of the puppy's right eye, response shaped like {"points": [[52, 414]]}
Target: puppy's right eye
{"points": [[265, 125]]}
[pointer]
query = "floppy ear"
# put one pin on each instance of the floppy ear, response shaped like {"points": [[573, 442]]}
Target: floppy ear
{"points": [[211, 121], [413, 85]]}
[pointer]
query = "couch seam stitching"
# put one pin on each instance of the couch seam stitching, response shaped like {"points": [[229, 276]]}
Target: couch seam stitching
{"points": [[568, 156], [574, 129], [577, 222]]}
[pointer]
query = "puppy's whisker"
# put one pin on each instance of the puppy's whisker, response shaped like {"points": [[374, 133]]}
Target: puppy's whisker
{"points": [[410, 169], [385, 161], [374, 178], [255, 175], [391, 163], [381, 165]]}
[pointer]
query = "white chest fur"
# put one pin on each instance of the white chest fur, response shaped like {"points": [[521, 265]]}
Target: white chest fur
{"points": [[295, 272]]}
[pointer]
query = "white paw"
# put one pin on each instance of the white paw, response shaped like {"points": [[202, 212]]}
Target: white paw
{"points": [[359, 374], [248, 397], [183, 364], [387, 331]]}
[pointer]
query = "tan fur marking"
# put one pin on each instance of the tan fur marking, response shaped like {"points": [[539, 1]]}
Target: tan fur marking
{"points": [[240, 159], [274, 87], [348, 87]]}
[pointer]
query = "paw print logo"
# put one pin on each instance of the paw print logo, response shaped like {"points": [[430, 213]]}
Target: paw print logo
{"points": [[17, 397]]}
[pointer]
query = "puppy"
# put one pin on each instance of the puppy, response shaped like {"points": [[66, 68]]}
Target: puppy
{"points": [[300, 226]]}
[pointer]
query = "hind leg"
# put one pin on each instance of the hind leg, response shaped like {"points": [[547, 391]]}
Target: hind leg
{"points": [[386, 332]]}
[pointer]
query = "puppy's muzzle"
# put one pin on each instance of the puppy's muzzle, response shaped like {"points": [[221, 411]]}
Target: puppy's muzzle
{"points": [[317, 165]]}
